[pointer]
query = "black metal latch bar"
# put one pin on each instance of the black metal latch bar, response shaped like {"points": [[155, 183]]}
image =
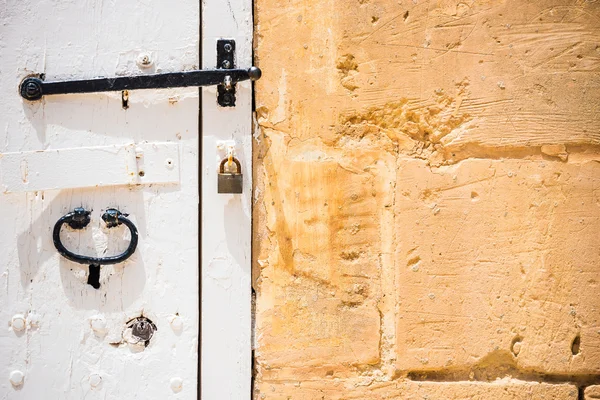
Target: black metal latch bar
{"points": [[225, 76]]}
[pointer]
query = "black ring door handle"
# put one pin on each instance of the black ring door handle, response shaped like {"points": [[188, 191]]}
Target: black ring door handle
{"points": [[79, 219]]}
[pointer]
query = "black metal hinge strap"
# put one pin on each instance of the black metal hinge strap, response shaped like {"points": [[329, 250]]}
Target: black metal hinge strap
{"points": [[33, 88]]}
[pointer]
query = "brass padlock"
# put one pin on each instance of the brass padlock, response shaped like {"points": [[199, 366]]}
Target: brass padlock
{"points": [[230, 182]]}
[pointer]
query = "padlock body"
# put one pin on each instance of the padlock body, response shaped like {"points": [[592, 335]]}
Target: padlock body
{"points": [[229, 183]]}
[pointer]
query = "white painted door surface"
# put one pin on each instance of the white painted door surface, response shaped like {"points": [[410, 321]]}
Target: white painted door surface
{"points": [[226, 357], [62, 338]]}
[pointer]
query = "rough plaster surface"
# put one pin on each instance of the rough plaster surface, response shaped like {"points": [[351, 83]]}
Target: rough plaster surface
{"points": [[427, 201]]}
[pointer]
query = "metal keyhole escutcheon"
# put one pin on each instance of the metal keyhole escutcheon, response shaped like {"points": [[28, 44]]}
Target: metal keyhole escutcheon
{"points": [[143, 330], [139, 331]]}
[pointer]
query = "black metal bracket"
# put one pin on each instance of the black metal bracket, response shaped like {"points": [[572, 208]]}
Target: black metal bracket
{"points": [[226, 60], [79, 219], [225, 76]]}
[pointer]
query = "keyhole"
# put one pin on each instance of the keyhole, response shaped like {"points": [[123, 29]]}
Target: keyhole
{"points": [[125, 99], [94, 276], [143, 330]]}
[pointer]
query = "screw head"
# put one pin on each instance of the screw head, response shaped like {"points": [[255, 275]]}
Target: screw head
{"points": [[31, 89], [176, 323], [176, 384], [16, 377], [227, 98], [144, 60], [228, 47], [98, 325], [95, 380], [226, 64], [18, 322], [33, 319]]}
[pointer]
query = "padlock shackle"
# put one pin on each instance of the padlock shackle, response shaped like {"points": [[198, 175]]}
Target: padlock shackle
{"points": [[237, 164]]}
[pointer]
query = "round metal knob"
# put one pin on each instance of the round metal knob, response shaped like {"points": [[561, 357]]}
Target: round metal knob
{"points": [[254, 73]]}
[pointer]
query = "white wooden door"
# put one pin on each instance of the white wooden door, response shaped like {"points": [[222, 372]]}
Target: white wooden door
{"points": [[226, 357], [67, 332]]}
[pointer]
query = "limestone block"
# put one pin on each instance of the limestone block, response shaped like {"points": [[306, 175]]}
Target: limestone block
{"points": [[333, 389], [592, 392], [498, 266], [444, 79], [326, 218]]}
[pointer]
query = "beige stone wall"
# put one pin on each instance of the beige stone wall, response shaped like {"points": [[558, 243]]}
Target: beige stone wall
{"points": [[427, 200]]}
